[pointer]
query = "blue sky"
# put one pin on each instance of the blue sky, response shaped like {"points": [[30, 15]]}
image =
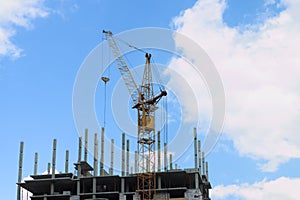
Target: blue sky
{"points": [[252, 44]]}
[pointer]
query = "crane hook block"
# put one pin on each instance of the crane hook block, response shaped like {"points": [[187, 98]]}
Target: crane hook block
{"points": [[105, 79]]}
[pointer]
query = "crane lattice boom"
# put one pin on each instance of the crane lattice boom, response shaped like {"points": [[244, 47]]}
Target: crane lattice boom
{"points": [[123, 68]]}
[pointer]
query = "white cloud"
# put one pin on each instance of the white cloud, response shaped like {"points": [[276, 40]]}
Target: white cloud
{"points": [[281, 188], [13, 14], [46, 172], [260, 69]]}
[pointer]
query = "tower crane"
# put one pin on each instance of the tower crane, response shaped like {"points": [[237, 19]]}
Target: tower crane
{"points": [[145, 102]]}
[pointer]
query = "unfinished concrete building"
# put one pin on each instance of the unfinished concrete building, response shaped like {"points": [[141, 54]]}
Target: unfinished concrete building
{"points": [[87, 184]]}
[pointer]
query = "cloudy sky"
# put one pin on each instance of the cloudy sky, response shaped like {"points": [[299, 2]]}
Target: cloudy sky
{"points": [[253, 46]]}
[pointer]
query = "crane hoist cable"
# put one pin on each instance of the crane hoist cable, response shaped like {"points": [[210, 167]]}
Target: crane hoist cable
{"points": [[157, 76], [105, 79]]}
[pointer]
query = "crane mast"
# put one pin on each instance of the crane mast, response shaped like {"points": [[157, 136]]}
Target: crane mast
{"points": [[146, 136], [145, 102]]}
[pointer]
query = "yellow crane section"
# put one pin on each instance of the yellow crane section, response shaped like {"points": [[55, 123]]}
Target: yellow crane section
{"points": [[145, 102]]}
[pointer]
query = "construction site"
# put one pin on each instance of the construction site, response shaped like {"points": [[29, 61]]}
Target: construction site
{"points": [[154, 174]]}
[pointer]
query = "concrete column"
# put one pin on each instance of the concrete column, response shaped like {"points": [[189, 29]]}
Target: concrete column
{"points": [[199, 155], [127, 157], [102, 153], [36, 157], [78, 179], [54, 158], [158, 182], [94, 188], [171, 162], [158, 152], [195, 149], [136, 162], [96, 154], [123, 154], [20, 169], [79, 148], [165, 157], [67, 162], [86, 143], [196, 181], [111, 170], [49, 168], [79, 167], [122, 185], [206, 167], [203, 161], [53, 166], [127, 187]]}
